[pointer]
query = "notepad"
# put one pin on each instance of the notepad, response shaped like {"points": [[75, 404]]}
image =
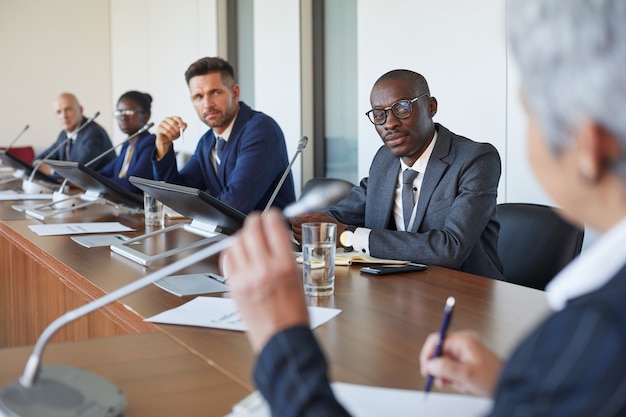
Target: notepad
{"points": [[348, 258]]}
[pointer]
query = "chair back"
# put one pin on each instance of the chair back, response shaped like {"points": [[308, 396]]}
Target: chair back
{"points": [[535, 243], [25, 153]]}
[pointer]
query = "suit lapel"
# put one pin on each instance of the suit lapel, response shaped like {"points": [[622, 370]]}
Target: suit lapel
{"points": [[387, 192], [435, 170]]}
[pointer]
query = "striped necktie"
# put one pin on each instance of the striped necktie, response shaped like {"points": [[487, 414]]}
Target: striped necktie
{"points": [[220, 148], [126, 163]]}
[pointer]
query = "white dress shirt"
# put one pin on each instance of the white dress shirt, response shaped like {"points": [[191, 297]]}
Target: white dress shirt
{"points": [[225, 135], [361, 241], [591, 270]]}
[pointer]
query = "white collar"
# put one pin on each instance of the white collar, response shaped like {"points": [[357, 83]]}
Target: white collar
{"points": [[591, 270], [226, 133], [422, 161]]}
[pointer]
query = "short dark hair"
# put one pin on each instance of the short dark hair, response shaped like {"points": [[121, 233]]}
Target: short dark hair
{"points": [[417, 80], [143, 99], [209, 65]]}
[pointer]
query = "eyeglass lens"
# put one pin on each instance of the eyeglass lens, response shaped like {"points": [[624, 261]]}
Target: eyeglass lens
{"points": [[401, 109], [125, 113]]}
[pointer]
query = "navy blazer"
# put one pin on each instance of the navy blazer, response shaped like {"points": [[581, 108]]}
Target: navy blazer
{"points": [[253, 161], [89, 143], [574, 364], [140, 163], [455, 224]]}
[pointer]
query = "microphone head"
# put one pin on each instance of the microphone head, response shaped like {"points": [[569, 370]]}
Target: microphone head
{"points": [[318, 198], [302, 144]]}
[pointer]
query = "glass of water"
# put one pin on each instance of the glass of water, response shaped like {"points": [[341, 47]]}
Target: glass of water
{"points": [[319, 241]]}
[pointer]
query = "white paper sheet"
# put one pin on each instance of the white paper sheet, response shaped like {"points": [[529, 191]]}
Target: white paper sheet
{"points": [[9, 195], [78, 228], [221, 313], [366, 401]]}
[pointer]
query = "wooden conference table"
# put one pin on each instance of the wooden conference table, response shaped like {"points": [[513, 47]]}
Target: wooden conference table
{"points": [[374, 341]]}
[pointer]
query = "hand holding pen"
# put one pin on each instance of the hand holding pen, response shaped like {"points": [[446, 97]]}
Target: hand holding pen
{"points": [[443, 330], [462, 361]]}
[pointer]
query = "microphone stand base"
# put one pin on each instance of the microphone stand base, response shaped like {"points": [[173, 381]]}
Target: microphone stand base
{"points": [[62, 200], [63, 391], [31, 187]]}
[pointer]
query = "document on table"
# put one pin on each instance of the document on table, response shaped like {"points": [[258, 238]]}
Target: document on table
{"points": [[367, 401], [9, 195], [78, 228], [221, 313]]}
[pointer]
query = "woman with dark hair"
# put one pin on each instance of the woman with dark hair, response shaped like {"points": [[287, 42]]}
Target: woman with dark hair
{"points": [[132, 113]]}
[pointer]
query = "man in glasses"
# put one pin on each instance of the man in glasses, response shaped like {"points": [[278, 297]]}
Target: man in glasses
{"points": [[82, 144], [241, 158], [430, 196]]}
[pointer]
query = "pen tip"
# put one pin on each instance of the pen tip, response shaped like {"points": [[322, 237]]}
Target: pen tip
{"points": [[450, 302]]}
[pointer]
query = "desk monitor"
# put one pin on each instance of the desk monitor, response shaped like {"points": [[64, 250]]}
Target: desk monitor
{"points": [[16, 163], [194, 204], [90, 180]]}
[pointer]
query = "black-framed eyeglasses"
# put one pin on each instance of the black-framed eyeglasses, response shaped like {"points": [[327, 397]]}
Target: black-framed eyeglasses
{"points": [[125, 113], [401, 109]]}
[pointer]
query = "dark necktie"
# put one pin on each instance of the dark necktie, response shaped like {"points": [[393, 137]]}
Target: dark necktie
{"points": [[68, 149], [408, 195], [220, 147]]}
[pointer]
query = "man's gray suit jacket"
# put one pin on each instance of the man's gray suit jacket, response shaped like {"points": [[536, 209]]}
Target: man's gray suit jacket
{"points": [[455, 224]]}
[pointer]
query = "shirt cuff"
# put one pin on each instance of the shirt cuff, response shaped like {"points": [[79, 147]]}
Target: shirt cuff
{"points": [[361, 240]]}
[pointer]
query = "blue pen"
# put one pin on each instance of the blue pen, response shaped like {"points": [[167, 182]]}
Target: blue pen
{"points": [[447, 315]]}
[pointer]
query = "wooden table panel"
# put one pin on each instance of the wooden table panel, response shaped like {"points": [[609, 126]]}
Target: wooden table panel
{"points": [[375, 340], [384, 321], [158, 376]]}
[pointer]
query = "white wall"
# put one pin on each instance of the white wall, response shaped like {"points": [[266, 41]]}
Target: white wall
{"points": [[48, 47], [277, 70], [152, 44]]}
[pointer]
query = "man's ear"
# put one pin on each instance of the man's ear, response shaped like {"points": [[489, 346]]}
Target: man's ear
{"points": [[236, 92], [432, 106]]}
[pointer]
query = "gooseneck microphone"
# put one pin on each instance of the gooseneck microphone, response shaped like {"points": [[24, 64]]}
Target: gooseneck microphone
{"points": [[301, 145], [30, 186], [69, 390], [16, 138], [97, 158], [128, 139]]}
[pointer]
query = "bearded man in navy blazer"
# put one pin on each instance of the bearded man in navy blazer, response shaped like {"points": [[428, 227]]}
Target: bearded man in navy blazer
{"points": [[245, 169], [453, 222]]}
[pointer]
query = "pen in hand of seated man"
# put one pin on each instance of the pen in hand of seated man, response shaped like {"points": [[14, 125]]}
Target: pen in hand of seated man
{"points": [[465, 364], [168, 131], [264, 279]]}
